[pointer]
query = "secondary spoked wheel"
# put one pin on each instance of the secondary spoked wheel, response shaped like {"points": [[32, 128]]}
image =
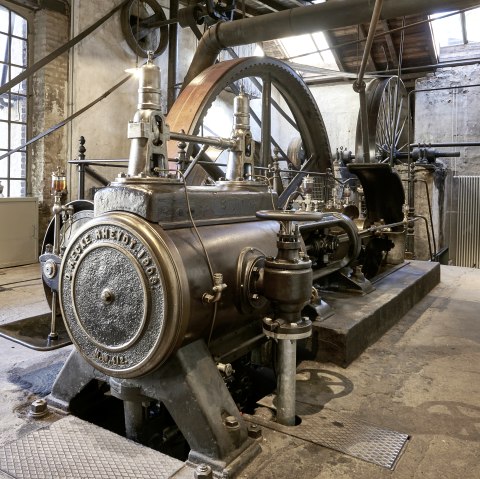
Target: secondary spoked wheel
{"points": [[136, 20], [387, 107], [201, 108]]}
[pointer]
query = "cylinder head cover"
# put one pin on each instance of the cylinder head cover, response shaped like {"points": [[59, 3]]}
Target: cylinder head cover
{"points": [[120, 294]]}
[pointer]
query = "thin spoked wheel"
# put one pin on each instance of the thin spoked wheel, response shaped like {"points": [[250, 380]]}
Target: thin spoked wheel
{"points": [[387, 108], [281, 108]]}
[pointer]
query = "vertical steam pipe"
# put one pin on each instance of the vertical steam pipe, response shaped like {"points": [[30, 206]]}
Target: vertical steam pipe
{"points": [[172, 54], [266, 125], [286, 387]]}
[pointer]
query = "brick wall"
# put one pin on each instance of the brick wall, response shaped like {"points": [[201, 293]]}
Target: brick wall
{"points": [[48, 107]]}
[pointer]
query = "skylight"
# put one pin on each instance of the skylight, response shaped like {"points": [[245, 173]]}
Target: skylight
{"points": [[458, 29], [306, 49], [473, 23], [310, 44]]}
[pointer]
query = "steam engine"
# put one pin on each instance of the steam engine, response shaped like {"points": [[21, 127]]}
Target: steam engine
{"points": [[168, 284]]}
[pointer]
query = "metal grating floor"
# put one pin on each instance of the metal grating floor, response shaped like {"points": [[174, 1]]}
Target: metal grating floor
{"points": [[343, 433], [74, 449]]}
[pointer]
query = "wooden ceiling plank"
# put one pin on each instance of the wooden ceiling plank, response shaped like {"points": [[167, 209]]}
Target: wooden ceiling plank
{"points": [[390, 45]]}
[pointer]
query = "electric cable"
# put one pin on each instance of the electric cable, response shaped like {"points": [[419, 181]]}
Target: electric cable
{"points": [[207, 258]]}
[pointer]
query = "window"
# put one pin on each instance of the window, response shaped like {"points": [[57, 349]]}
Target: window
{"points": [[13, 104], [457, 29], [310, 50]]}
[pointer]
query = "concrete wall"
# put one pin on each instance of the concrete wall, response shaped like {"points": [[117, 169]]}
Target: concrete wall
{"points": [[451, 115], [339, 106]]}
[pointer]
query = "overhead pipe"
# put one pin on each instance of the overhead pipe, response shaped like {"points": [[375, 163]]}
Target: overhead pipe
{"points": [[299, 21]]}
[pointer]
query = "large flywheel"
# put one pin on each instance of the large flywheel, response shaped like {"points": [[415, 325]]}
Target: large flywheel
{"points": [[387, 109], [294, 105]]}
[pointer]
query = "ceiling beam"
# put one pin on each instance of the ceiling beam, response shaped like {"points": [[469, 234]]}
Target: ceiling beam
{"points": [[390, 45], [249, 12], [31, 4], [362, 33], [60, 6], [274, 5], [300, 3], [430, 46]]}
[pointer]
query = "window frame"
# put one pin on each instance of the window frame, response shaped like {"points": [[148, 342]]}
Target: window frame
{"points": [[463, 38], [26, 93]]}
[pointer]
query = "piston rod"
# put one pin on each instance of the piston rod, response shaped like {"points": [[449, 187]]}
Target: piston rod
{"points": [[205, 140]]}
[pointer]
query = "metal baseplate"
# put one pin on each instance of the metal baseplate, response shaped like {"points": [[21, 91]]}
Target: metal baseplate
{"points": [[342, 433], [73, 448], [33, 333]]}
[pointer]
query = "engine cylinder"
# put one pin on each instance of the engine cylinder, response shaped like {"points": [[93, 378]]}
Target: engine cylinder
{"points": [[131, 291]]}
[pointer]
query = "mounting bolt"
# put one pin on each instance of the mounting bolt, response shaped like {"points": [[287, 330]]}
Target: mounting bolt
{"points": [[254, 431], [231, 422], [226, 369], [38, 408], [203, 471], [50, 269]]}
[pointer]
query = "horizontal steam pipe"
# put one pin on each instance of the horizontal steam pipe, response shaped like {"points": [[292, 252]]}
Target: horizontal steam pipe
{"points": [[298, 21]]}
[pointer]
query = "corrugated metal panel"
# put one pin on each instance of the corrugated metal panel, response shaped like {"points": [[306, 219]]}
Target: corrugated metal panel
{"points": [[468, 221]]}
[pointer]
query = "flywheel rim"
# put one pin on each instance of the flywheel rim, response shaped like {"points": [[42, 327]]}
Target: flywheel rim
{"points": [[196, 98]]}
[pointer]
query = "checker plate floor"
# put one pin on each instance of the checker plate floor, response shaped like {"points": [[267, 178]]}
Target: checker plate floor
{"points": [[76, 449], [343, 433]]}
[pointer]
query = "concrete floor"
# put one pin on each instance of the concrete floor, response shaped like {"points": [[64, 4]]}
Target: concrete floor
{"points": [[422, 378]]}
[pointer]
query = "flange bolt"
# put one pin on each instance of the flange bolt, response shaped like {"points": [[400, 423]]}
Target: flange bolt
{"points": [[203, 471], [254, 431], [231, 422], [38, 408]]}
